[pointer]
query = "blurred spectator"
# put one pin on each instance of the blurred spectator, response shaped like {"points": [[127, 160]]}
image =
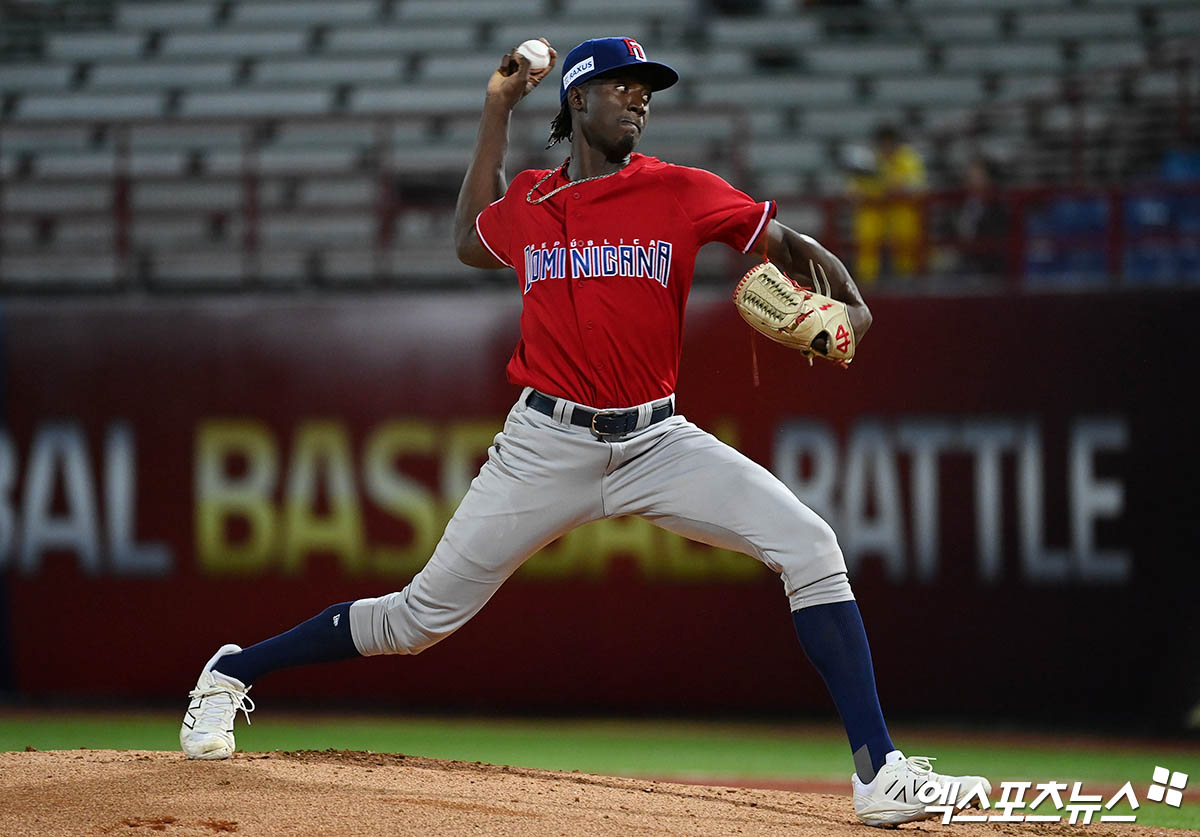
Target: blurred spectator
{"points": [[981, 225], [887, 216]]}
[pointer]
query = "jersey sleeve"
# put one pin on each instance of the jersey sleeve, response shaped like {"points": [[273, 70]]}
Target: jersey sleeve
{"points": [[494, 227], [719, 212]]}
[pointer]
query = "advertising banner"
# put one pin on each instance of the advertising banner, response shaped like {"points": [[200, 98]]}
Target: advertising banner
{"points": [[1011, 480]]}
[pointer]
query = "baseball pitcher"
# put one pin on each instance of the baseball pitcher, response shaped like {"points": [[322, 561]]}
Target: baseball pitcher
{"points": [[603, 248]]}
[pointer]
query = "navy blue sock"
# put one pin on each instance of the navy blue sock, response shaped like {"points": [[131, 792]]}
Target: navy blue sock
{"points": [[835, 640], [323, 639]]}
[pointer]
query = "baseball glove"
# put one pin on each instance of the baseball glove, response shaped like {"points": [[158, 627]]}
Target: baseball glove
{"points": [[808, 320]]}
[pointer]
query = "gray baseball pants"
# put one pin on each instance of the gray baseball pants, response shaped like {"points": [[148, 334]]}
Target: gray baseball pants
{"points": [[545, 476]]}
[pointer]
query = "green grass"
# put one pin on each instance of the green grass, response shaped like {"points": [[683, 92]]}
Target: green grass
{"points": [[692, 750]]}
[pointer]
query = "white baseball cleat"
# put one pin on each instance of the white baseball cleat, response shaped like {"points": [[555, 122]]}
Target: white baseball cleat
{"points": [[891, 797], [207, 731]]}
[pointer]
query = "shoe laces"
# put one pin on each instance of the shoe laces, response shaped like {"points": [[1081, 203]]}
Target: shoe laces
{"points": [[920, 764], [218, 700]]}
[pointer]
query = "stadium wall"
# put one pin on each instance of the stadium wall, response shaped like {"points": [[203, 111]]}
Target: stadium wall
{"points": [[1012, 480]]}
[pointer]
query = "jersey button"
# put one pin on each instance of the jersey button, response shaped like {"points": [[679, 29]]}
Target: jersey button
{"points": [[581, 283], [575, 195], [589, 325]]}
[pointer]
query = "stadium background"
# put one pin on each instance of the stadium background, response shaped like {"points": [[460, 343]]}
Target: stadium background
{"points": [[243, 377]]}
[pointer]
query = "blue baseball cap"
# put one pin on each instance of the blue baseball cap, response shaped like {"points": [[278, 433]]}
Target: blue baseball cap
{"points": [[600, 55]]}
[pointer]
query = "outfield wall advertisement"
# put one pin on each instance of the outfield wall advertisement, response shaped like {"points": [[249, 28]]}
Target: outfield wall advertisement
{"points": [[1010, 479]]}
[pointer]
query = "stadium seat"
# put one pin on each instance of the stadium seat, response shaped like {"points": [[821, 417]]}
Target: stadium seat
{"points": [[236, 44], [210, 266], [187, 137], [782, 91], [83, 46], [627, 9], [688, 125], [694, 64], [287, 160], [395, 40], [1181, 165], [463, 67], [955, 27], [321, 70], [1187, 215], [318, 229], [753, 33], [1015, 87], [150, 230], [17, 234], [35, 77], [359, 134], [1077, 23], [207, 195], [1019, 57], [862, 59], [357, 191], [157, 75], [1099, 54], [105, 163], [429, 158], [89, 106], [769, 156], [302, 12], [1150, 264], [1187, 262], [941, 6], [164, 14], [496, 11], [932, 90], [562, 33], [1066, 118], [405, 99], [846, 122], [256, 103], [1068, 241], [1164, 84], [46, 270], [1184, 21], [15, 137]]}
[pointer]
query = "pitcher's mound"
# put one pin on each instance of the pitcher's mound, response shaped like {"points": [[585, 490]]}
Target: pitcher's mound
{"points": [[333, 793]]}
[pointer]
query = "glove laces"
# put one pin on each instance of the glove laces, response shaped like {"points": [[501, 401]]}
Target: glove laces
{"points": [[219, 700]]}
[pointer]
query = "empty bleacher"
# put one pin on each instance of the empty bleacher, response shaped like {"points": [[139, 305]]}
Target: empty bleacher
{"points": [[189, 122]]}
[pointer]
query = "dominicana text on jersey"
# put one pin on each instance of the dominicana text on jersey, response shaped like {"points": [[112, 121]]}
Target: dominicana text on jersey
{"points": [[588, 259]]}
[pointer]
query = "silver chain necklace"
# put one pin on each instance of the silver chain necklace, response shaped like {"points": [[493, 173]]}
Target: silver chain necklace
{"points": [[551, 173]]}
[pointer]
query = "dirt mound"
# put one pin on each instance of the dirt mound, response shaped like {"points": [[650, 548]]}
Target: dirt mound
{"points": [[335, 793]]}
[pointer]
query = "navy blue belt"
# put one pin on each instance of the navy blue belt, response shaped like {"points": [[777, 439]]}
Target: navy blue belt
{"points": [[601, 422]]}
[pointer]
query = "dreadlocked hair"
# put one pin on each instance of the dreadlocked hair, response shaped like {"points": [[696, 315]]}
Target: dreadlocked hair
{"points": [[560, 127]]}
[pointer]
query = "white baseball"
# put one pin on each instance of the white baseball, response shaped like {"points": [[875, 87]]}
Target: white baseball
{"points": [[537, 53]]}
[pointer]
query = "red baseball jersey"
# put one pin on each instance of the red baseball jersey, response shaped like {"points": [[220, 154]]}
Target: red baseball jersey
{"points": [[605, 268]]}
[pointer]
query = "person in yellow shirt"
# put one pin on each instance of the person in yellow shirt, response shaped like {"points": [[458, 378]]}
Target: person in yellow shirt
{"points": [[888, 210]]}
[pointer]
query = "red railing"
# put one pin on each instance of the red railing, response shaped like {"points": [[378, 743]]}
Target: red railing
{"points": [[1044, 234]]}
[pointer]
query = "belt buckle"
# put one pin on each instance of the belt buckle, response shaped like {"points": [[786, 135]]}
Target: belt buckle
{"points": [[601, 434]]}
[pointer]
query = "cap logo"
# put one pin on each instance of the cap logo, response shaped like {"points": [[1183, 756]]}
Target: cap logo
{"points": [[585, 66], [635, 49]]}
